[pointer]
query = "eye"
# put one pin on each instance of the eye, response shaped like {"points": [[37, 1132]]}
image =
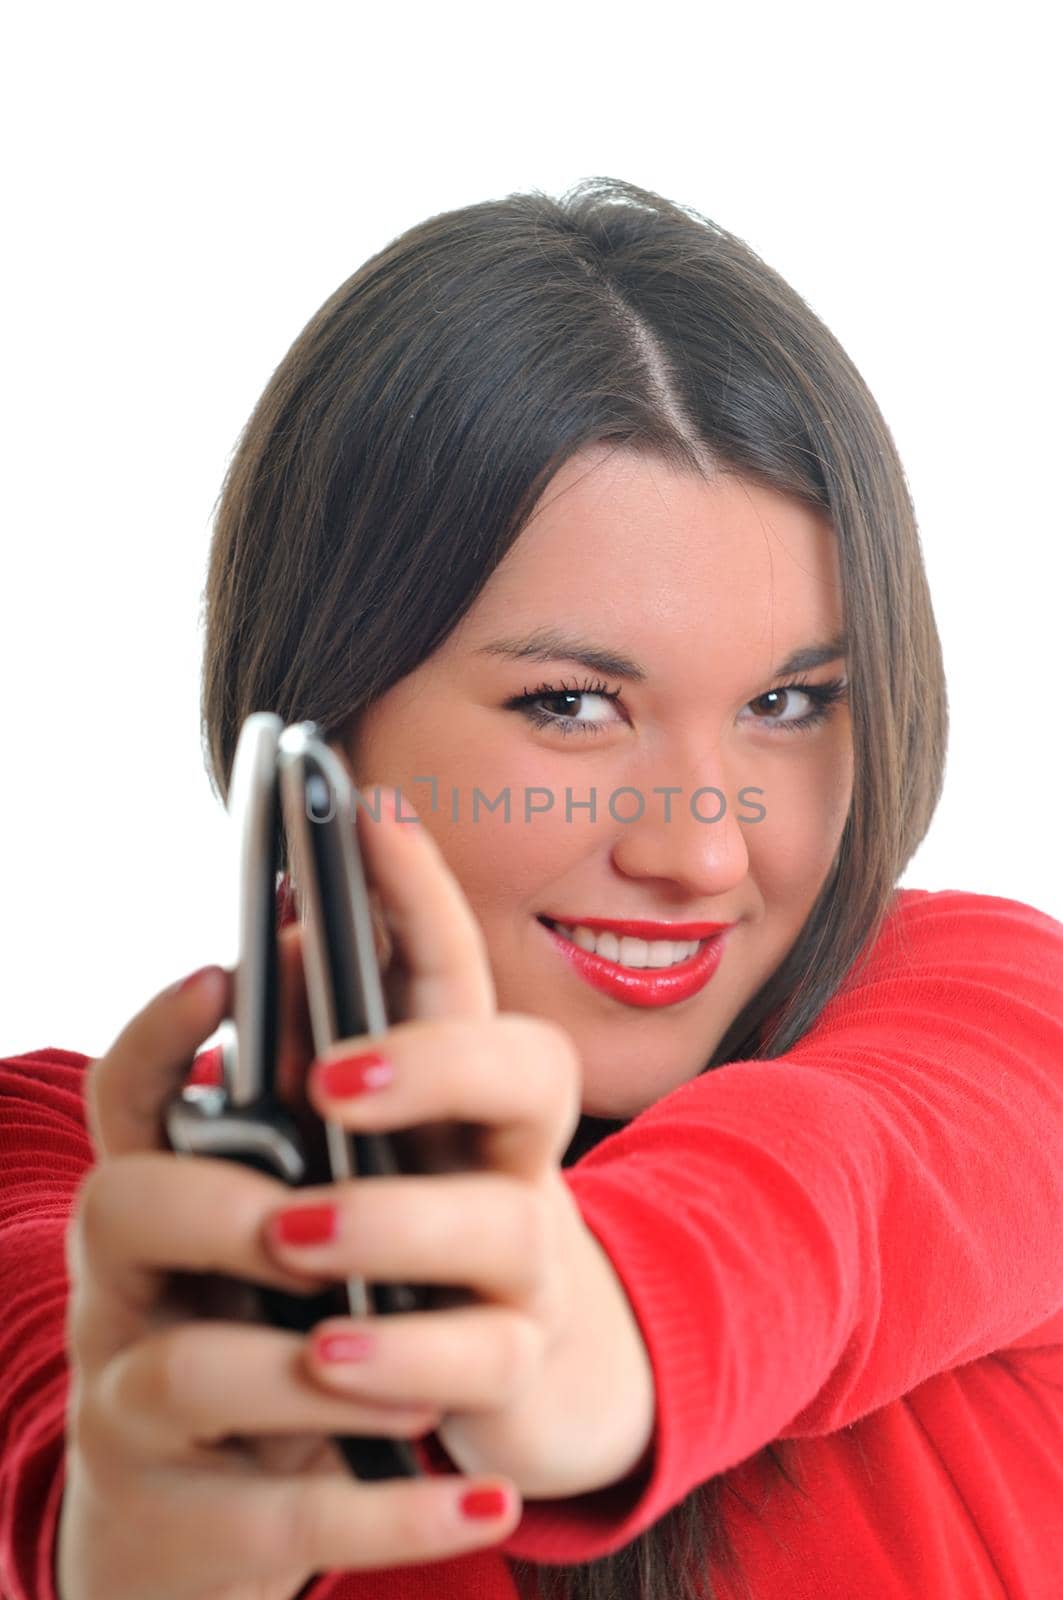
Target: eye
{"points": [[773, 704], [824, 696], [565, 700]]}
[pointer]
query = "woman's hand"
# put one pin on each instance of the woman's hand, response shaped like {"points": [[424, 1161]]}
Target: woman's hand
{"points": [[499, 1369], [199, 1462]]}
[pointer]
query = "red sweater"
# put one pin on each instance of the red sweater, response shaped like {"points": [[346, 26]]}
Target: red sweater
{"points": [[855, 1245]]}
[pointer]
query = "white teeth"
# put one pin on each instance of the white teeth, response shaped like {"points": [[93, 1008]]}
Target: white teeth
{"points": [[630, 952]]}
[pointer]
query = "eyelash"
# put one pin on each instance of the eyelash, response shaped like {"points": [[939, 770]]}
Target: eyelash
{"points": [[823, 695]]}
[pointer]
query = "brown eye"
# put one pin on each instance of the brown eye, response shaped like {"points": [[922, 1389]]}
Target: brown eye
{"points": [[776, 702], [566, 700]]}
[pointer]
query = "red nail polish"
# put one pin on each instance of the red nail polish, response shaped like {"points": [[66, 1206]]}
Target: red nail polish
{"points": [[352, 1075], [305, 1225], [484, 1503], [344, 1346]]}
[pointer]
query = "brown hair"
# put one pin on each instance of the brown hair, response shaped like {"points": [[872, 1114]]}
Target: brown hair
{"points": [[401, 446]]}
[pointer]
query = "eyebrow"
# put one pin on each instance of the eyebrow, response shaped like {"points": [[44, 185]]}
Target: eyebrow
{"points": [[550, 644]]}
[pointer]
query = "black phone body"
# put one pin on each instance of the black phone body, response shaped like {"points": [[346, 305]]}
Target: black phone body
{"points": [[289, 778]]}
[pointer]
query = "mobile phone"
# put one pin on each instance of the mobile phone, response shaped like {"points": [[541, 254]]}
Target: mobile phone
{"points": [[288, 778], [343, 982]]}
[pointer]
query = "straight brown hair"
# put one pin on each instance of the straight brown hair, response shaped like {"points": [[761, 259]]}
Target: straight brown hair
{"points": [[397, 453]]}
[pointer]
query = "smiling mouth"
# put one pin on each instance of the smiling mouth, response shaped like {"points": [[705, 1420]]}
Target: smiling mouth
{"points": [[607, 947]]}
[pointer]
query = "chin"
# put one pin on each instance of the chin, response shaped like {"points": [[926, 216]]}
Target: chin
{"points": [[611, 1113]]}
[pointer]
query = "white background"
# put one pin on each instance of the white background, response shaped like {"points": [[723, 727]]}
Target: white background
{"points": [[186, 184]]}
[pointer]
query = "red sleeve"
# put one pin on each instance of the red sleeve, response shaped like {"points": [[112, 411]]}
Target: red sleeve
{"points": [[806, 1238], [44, 1154]]}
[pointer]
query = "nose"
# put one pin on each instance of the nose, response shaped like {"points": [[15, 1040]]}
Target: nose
{"points": [[689, 835]]}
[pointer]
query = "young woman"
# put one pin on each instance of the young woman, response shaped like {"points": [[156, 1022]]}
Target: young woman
{"points": [[577, 532]]}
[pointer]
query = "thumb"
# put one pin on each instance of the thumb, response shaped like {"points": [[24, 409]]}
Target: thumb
{"points": [[129, 1085]]}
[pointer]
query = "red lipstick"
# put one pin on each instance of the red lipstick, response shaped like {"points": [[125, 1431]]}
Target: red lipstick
{"points": [[643, 929], [643, 986]]}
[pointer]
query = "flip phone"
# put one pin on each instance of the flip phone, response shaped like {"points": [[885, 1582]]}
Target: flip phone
{"points": [[288, 778]]}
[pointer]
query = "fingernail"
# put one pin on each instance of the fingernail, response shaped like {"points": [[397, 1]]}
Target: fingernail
{"points": [[193, 978], [304, 1225], [396, 808], [484, 1503], [344, 1346], [353, 1075], [388, 805], [402, 810]]}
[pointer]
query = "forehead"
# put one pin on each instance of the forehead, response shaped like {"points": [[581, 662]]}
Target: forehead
{"points": [[623, 546]]}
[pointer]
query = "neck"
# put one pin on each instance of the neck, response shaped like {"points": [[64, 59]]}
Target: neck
{"points": [[589, 1132]]}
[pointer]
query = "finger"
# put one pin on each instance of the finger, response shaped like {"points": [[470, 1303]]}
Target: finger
{"points": [[247, 1531], [295, 1039], [439, 946], [450, 1071], [142, 1217], [127, 1087], [477, 1358], [195, 1385], [492, 1234]]}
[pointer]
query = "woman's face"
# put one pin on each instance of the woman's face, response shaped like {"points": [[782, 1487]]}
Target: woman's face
{"points": [[708, 590]]}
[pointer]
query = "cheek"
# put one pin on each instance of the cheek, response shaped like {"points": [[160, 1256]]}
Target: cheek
{"points": [[792, 849], [501, 866], [502, 863]]}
